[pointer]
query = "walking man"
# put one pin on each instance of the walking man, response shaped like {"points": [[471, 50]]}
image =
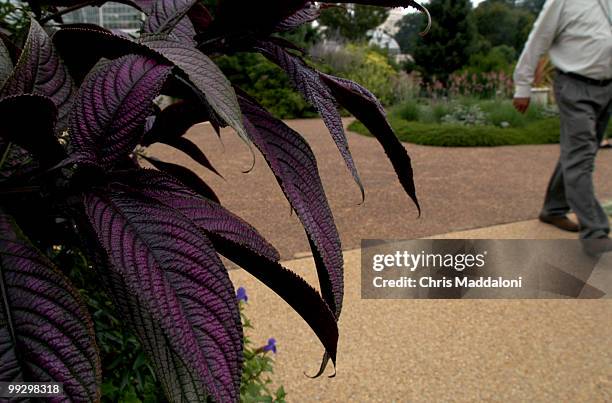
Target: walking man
{"points": [[577, 34]]}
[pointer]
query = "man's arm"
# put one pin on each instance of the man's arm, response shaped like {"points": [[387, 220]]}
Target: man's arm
{"points": [[544, 32]]}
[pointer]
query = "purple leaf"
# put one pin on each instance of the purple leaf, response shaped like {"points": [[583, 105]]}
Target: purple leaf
{"points": [[206, 76], [18, 162], [299, 18], [241, 243], [34, 135], [174, 121], [192, 150], [168, 16], [200, 17], [309, 84], [81, 48], [178, 382], [235, 15], [110, 110], [6, 63], [112, 46], [295, 168], [207, 214], [172, 270], [364, 105], [185, 176], [40, 71], [46, 334]]}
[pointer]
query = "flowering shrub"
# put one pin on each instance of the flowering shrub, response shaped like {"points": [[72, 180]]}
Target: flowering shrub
{"points": [[365, 66], [78, 112], [482, 85]]}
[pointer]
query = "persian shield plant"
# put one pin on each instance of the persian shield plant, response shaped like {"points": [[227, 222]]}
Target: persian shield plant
{"points": [[77, 113]]}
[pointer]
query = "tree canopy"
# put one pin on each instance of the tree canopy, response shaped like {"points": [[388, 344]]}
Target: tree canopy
{"points": [[499, 23], [450, 42], [352, 21]]}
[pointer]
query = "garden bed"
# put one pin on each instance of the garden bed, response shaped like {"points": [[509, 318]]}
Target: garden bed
{"points": [[470, 123], [454, 135]]}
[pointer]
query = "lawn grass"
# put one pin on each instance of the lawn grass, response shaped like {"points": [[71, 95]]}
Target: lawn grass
{"points": [[544, 131]]}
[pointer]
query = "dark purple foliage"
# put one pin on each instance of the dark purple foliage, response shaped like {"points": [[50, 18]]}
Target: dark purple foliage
{"points": [[300, 17], [295, 168], [309, 84], [33, 135], [78, 112], [241, 243], [168, 17], [46, 333], [111, 107], [40, 71], [205, 75], [174, 272], [365, 107]]}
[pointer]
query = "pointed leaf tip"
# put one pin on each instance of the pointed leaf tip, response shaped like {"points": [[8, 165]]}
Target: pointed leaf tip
{"points": [[367, 109], [308, 83]]}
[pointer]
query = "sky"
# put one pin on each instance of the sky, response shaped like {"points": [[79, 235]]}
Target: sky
{"points": [[411, 10]]}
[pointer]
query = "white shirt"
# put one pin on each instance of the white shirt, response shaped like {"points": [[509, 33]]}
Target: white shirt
{"points": [[577, 34]]}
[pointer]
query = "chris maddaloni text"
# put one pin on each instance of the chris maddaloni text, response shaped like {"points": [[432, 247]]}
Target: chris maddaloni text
{"points": [[444, 282]]}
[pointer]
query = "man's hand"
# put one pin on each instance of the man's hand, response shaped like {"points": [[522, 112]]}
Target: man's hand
{"points": [[521, 104]]}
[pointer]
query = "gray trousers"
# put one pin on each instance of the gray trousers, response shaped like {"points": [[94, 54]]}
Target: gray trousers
{"points": [[585, 112]]}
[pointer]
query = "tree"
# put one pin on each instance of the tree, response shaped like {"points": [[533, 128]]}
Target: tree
{"points": [[533, 6], [353, 21], [501, 23], [409, 28], [450, 42]]}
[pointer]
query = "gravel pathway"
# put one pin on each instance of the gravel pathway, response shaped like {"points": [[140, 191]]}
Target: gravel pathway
{"points": [[459, 188]]}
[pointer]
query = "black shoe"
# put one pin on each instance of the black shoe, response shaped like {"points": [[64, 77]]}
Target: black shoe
{"points": [[560, 221], [597, 247]]}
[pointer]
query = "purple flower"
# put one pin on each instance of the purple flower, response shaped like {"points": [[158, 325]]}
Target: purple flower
{"points": [[241, 295], [271, 346]]}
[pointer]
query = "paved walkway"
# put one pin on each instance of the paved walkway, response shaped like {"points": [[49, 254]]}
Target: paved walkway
{"points": [[443, 350], [459, 188]]}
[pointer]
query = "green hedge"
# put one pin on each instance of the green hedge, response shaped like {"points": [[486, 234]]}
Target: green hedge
{"points": [[545, 131]]}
